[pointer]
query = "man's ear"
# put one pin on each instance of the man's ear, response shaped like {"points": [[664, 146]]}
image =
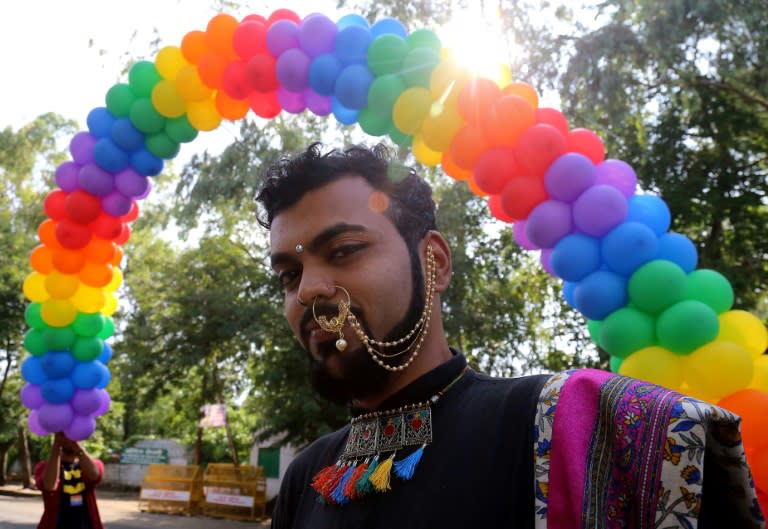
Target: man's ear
{"points": [[443, 261]]}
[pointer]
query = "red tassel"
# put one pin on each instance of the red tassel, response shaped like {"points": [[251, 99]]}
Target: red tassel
{"points": [[331, 483], [322, 477], [349, 490]]}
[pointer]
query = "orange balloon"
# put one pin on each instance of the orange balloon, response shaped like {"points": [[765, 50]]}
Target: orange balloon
{"points": [[210, 68], [230, 108], [473, 187], [476, 97], [523, 90], [758, 464], [219, 33], [117, 258], [468, 145], [46, 232], [41, 259], [68, 261], [752, 406], [96, 275], [100, 250], [194, 45], [451, 169], [507, 119]]}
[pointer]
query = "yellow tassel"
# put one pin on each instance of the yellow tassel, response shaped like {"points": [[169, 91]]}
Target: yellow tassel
{"points": [[380, 477]]}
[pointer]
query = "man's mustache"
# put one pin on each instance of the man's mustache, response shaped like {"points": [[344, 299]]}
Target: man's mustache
{"points": [[329, 310]]}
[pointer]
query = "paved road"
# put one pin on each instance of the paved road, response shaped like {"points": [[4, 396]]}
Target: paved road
{"points": [[118, 511]]}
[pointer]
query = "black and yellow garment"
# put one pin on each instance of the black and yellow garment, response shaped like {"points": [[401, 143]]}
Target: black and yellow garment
{"points": [[73, 513]]}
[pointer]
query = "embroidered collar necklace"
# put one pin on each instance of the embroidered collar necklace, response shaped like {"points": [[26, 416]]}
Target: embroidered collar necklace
{"points": [[362, 469]]}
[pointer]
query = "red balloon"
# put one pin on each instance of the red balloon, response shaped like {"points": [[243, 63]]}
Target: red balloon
{"points": [[538, 147], [133, 214], [264, 105], [552, 116], [283, 14], [106, 227], [497, 211], [54, 204], [250, 37], [260, 73], [476, 97], [521, 195], [750, 405], [507, 119], [125, 234], [468, 145], [82, 207], [233, 81], [255, 18], [586, 142], [72, 235], [494, 169]]}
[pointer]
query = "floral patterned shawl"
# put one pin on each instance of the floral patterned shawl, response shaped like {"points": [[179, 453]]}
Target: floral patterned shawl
{"points": [[613, 452]]}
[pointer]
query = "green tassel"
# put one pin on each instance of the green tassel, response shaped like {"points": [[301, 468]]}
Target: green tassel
{"points": [[364, 485]]}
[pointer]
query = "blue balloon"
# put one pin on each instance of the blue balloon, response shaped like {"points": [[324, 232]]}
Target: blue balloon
{"points": [[126, 136], [352, 45], [109, 156], [569, 290], [628, 246], [352, 20], [87, 375], [344, 115], [106, 376], [100, 122], [145, 163], [352, 86], [679, 249], [57, 364], [575, 256], [388, 26], [106, 354], [600, 293], [57, 391], [323, 72], [651, 211], [32, 370]]}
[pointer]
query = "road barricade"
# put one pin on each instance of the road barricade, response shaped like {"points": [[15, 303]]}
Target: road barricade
{"points": [[171, 489], [234, 492]]}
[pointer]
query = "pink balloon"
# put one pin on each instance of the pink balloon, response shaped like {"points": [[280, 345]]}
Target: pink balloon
{"points": [[106, 401], [618, 174], [291, 101]]}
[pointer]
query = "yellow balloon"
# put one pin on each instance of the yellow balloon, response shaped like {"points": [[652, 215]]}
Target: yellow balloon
{"points": [[117, 280], [61, 286], [503, 75], [447, 80], [169, 61], [760, 378], [698, 395], [718, 368], [441, 126], [190, 86], [88, 299], [411, 107], [424, 154], [34, 287], [167, 100], [203, 115], [110, 305], [57, 312], [655, 364], [745, 329]]}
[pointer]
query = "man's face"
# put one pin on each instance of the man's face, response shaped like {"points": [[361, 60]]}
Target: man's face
{"points": [[347, 241]]}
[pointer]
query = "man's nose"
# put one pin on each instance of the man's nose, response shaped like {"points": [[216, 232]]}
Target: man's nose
{"points": [[315, 286]]}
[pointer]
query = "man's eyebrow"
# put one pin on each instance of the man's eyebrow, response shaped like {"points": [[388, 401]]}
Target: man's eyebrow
{"points": [[317, 242]]}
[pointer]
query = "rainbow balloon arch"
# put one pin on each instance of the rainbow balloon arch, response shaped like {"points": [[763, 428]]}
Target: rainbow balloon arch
{"points": [[637, 283]]}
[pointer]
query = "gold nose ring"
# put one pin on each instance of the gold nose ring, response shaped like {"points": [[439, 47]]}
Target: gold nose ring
{"points": [[336, 323]]}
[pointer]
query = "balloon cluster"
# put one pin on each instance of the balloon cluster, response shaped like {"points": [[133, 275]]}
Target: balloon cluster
{"points": [[660, 318]]}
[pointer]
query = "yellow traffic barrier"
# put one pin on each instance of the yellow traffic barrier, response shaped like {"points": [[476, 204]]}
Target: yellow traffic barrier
{"points": [[234, 492], [173, 489]]}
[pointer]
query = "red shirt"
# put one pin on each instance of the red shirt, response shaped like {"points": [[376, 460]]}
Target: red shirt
{"points": [[52, 498]]}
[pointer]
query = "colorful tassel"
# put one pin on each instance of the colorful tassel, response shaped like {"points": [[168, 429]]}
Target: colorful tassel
{"points": [[350, 489], [363, 485], [380, 477], [322, 477], [405, 468], [338, 493], [331, 483]]}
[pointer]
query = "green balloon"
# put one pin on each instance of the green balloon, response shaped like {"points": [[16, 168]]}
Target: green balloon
{"points": [[657, 285], [417, 67], [120, 98], [34, 342], [400, 138], [687, 325], [87, 324], [180, 130], [626, 330], [593, 326], [142, 78], [59, 338], [87, 348], [383, 93], [386, 54], [424, 38], [372, 124], [33, 318], [109, 328], [162, 146], [615, 363], [712, 288], [145, 118]]}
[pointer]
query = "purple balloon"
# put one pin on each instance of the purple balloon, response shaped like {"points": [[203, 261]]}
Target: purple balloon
{"points": [[146, 192], [81, 428], [599, 209], [67, 176], [569, 176], [549, 222], [31, 396], [34, 424], [81, 147], [130, 183], [86, 401], [292, 70], [317, 104], [106, 401], [116, 204], [545, 258], [618, 174], [317, 34], [291, 101], [282, 35], [55, 417], [518, 233], [96, 180]]}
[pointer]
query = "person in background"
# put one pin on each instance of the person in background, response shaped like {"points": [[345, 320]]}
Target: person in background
{"points": [[67, 481]]}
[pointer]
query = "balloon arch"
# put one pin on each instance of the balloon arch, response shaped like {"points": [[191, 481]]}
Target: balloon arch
{"points": [[636, 283]]}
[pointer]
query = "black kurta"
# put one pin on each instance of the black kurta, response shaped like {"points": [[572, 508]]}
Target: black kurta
{"points": [[478, 471]]}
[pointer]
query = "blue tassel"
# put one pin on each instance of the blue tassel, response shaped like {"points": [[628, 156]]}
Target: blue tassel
{"points": [[338, 493], [405, 468]]}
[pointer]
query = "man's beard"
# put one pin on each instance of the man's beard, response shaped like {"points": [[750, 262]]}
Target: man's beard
{"points": [[360, 376]]}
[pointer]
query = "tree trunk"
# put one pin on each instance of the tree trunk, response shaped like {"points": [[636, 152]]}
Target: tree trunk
{"points": [[3, 464], [198, 446], [26, 464], [231, 441]]}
